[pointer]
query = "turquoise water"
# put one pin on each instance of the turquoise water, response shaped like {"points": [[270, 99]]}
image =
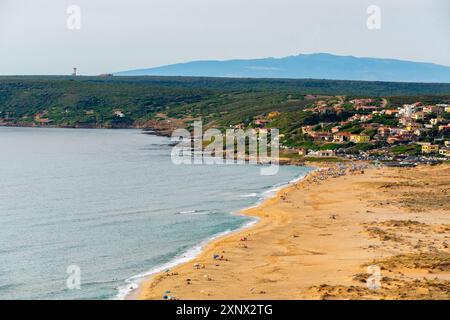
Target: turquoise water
{"points": [[112, 203]]}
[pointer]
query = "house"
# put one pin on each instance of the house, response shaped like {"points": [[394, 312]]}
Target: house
{"points": [[430, 148], [418, 115], [118, 113], [341, 137], [323, 153], [323, 109], [407, 110], [430, 109], [335, 129], [272, 115], [412, 126], [391, 112], [396, 131], [238, 126], [366, 108], [321, 136], [418, 132], [359, 138], [384, 131], [302, 152], [43, 120], [393, 139], [307, 129], [445, 152], [39, 118], [361, 117], [404, 121], [366, 118], [435, 121], [444, 106], [261, 122], [355, 117], [338, 109], [444, 127]]}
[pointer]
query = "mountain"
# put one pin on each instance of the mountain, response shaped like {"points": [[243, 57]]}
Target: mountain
{"points": [[310, 66]]}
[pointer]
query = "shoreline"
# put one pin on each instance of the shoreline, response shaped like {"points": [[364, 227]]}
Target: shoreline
{"points": [[131, 291], [321, 250], [185, 257], [274, 191]]}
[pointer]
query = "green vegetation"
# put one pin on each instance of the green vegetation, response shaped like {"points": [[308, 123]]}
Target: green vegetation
{"points": [[307, 112], [90, 101], [410, 149]]}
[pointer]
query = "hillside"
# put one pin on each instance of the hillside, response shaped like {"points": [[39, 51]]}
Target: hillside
{"points": [[124, 102]]}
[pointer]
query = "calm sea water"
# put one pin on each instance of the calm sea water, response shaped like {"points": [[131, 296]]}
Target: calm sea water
{"points": [[112, 203]]}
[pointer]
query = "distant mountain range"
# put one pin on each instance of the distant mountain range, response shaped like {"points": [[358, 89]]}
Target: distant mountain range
{"points": [[310, 66]]}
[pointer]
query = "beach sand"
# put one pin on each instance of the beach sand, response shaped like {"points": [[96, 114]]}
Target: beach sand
{"points": [[315, 240]]}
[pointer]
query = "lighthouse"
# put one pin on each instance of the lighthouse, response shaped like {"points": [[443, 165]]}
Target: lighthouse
{"points": [[74, 73]]}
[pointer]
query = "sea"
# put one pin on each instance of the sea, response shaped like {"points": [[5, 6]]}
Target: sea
{"points": [[89, 213]]}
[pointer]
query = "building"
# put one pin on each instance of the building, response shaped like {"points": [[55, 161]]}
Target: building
{"points": [[239, 126], [335, 129], [412, 126], [323, 153], [118, 113], [261, 122], [391, 112], [341, 137], [434, 121], [39, 118], [384, 131], [430, 109], [272, 115], [321, 136], [359, 138], [430, 148], [445, 152], [366, 108], [418, 115], [407, 111], [307, 129]]}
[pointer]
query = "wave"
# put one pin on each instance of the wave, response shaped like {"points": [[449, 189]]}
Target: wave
{"points": [[193, 212], [250, 195]]}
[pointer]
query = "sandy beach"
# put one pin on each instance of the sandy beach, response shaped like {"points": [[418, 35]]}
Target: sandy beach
{"points": [[317, 239]]}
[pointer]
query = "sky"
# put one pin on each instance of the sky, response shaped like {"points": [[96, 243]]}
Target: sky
{"points": [[42, 37]]}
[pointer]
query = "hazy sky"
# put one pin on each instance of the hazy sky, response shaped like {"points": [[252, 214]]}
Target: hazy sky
{"points": [[118, 35]]}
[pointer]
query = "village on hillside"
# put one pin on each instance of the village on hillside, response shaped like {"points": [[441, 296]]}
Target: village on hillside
{"points": [[366, 129]]}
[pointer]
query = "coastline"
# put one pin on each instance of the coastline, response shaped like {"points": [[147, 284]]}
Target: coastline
{"points": [[131, 290], [321, 250], [185, 258]]}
